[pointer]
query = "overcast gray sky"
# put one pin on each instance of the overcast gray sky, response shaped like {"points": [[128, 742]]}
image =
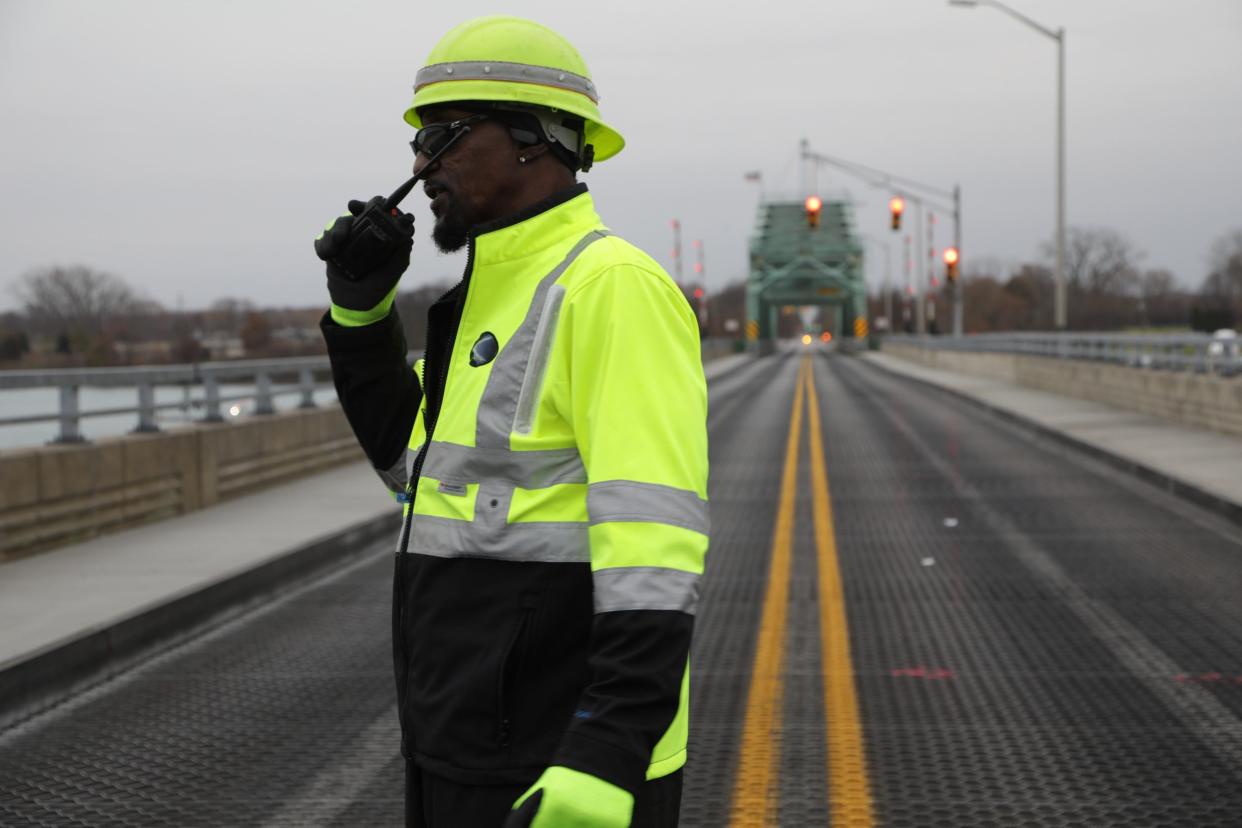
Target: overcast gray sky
{"points": [[196, 148]]}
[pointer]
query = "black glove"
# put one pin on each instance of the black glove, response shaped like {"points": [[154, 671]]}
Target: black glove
{"points": [[523, 816], [366, 252]]}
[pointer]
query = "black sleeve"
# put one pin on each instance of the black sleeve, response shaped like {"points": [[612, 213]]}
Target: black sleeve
{"points": [[377, 389], [638, 659]]}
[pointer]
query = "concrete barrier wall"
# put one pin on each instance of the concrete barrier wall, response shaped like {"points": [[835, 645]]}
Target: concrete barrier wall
{"points": [[52, 495], [58, 494], [1196, 400]]}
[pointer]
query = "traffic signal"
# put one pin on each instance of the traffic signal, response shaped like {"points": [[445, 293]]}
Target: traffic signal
{"points": [[896, 206], [951, 258], [813, 206]]}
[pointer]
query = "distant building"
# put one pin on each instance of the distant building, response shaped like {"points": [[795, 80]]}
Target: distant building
{"points": [[143, 353], [220, 345], [297, 335]]}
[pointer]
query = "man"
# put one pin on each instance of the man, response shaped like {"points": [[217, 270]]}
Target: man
{"points": [[555, 480]]}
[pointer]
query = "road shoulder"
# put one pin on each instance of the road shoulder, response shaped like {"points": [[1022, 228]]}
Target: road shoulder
{"points": [[1198, 465]]}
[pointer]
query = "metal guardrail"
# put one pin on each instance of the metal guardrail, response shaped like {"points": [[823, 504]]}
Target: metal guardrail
{"points": [[1201, 353], [209, 375], [145, 379]]}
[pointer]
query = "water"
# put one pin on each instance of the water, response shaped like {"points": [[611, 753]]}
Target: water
{"points": [[28, 402]]}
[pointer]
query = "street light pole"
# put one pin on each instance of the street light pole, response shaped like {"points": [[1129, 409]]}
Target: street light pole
{"points": [[920, 286], [1061, 310], [888, 277], [1059, 304], [957, 245]]}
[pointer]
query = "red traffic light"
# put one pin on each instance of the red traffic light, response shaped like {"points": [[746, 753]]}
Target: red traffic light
{"points": [[951, 259], [896, 206], [698, 293], [813, 205]]}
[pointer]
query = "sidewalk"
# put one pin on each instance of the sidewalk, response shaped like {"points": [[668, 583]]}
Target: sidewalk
{"points": [[1203, 466], [70, 615]]}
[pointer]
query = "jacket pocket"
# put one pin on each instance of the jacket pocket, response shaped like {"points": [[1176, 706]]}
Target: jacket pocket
{"points": [[511, 669]]}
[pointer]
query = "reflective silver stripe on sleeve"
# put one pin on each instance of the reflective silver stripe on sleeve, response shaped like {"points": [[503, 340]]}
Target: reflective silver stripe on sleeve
{"points": [[537, 365], [498, 405], [626, 501], [397, 477], [523, 469], [543, 542], [499, 70], [646, 588]]}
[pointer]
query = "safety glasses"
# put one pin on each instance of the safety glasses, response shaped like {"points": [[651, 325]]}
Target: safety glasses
{"points": [[434, 139]]}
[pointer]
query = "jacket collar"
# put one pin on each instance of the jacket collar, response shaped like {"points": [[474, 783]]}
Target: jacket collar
{"points": [[536, 228]]}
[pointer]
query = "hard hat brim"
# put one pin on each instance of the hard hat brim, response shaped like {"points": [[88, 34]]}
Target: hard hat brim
{"points": [[606, 140]]}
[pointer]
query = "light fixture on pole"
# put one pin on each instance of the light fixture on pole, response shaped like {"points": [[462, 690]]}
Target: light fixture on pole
{"points": [[1058, 35], [903, 190]]}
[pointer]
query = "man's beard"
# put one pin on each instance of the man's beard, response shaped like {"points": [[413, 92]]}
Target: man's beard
{"points": [[451, 230]]}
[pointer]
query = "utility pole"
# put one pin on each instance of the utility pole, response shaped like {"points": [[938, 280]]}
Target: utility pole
{"points": [[676, 225], [905, 317], [700, 289], [920, 287], [886, 278], [957, 244], [888, 285]]}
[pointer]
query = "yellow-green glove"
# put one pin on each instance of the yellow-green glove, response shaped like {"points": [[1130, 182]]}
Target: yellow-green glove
{"points": [[566, 798], [366, 252]]}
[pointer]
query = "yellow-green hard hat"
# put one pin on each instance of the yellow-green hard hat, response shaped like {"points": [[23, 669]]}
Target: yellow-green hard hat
{"points": [[511, 60]]}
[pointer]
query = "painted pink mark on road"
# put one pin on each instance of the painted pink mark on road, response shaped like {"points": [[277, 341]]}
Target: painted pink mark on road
{"points": [[1207, 678], [927, 673]]}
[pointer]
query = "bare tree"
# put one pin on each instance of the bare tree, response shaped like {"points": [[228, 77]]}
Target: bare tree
{"points": [[1223, 285], [1156, 283], [1032, 285], [228, 314], [727, 303], [256, 333], [1100, 260], [1163, 303], [992, 306], [1101, 267], [75, 299]]}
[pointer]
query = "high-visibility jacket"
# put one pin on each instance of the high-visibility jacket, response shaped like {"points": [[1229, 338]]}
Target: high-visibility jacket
{"points": [[549, 564]]}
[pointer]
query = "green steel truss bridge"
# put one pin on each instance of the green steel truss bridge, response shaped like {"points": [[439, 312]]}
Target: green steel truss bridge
{"points": [[797, 261]]}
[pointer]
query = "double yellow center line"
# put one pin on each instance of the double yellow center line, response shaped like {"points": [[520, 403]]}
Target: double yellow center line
{"points": [[756, 791]]}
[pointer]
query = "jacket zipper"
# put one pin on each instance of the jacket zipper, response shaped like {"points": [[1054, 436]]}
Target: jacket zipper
{"points": [[431, 426], [412, 485], [512, 657]]}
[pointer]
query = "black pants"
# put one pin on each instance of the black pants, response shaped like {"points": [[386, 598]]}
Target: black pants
{"points": [[435, 802]]}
